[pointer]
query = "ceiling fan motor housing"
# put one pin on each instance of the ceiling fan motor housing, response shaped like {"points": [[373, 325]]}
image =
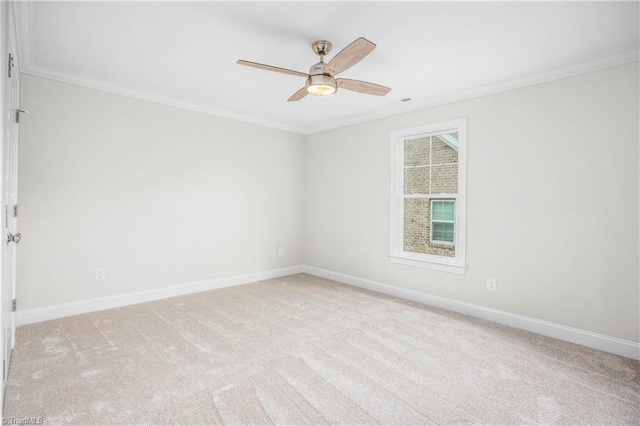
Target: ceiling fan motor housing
{"points": [[319, 83], [317, 68]]}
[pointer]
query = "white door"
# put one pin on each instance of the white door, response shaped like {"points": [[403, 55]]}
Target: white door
{"points": [[10, 236]]}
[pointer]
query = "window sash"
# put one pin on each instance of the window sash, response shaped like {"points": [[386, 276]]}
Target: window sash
{"points": [[431, 165], [439, 236], [442, 204]]}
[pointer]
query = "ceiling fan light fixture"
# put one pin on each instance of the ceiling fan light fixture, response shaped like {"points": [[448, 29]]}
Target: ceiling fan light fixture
{"points": [[321, 85]]}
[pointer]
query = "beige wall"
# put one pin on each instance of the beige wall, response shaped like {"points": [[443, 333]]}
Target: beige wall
{"points": [[552, 205], [218, 197]]}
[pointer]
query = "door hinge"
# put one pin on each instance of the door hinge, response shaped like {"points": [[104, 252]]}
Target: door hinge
{"points": [[18, 112], [14, 305], [15, 210], [10, 64]]}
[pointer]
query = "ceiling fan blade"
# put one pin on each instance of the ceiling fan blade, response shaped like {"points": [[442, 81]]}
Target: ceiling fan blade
{"points": [[362, 87], [349, 56], [298, 95], [272, 68]]}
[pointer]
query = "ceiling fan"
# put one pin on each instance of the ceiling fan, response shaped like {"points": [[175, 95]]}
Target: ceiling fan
{"points": [[321, 79]]}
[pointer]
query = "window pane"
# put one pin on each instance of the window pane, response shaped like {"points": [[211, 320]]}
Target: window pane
{"points": [[444, 149], [437, 212], [416, 180], [417, 232], [437, 230], [443, 232], [416, 225], [443, 210], [444, 179], [416, 152], [448, 210]]}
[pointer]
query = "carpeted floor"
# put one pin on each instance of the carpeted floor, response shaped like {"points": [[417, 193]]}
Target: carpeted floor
{"points": [[304, 350]]}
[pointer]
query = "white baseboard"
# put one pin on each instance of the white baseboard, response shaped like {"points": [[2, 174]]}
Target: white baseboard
{"points": [[615, 345], [29, 316]]}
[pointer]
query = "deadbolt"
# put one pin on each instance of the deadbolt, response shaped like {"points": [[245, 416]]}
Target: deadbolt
{"points": [[14, 237]]}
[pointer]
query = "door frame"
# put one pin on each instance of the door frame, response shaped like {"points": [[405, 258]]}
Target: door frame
{"points": [[8, 43]]}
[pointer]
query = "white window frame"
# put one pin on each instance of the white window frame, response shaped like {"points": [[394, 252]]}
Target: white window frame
{"points": [[397, 254], [441, 200]]}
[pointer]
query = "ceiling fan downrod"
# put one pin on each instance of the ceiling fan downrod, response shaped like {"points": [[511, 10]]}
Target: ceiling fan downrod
{"points": [[321, 48]]}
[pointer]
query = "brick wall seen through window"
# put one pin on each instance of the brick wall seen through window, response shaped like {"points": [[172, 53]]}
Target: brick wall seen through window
{"points": [[430, 174]]}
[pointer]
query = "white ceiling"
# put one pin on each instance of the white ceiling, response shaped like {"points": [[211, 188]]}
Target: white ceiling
{"points": [[184, 53]]}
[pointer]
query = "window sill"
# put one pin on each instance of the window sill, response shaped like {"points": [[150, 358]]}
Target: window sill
{"points": [[440, 244], [428, 263]]}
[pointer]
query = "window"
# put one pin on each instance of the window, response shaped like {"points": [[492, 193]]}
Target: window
{"points": [[442, 221], [428, 196]]}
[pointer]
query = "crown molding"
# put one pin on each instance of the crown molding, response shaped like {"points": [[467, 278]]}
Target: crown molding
{"points": [[23, 13], [27, 66], [64, 77], [493, 88], [43, 72]]}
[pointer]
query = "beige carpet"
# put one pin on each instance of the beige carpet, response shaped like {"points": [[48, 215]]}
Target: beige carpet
{"points": [[304, 350]]}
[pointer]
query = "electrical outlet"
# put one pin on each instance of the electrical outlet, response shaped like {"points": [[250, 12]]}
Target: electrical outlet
{"points": [[281, 253], [491, 284], [101, 274]]}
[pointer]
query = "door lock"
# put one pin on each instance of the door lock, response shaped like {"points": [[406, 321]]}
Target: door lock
{"points": [[14, 237]]}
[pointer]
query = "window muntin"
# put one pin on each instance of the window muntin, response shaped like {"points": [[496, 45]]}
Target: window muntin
{"points": [[428, 173]]}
